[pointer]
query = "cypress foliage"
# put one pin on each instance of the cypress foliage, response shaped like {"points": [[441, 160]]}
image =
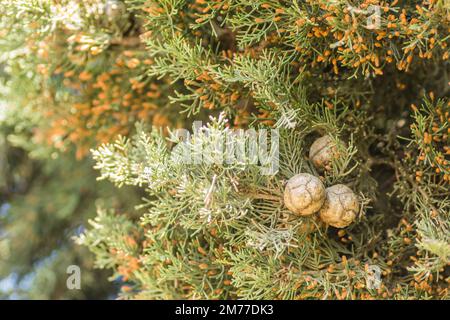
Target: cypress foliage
{"points": [[370, 78]]}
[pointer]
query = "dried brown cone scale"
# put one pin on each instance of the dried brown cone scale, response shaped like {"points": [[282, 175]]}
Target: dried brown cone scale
{"points": [[341, 206], [304, 194]]}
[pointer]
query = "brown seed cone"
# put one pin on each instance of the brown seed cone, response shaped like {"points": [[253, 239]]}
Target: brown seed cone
{"points": [[304, 194], [341, 206], [322, 152]]}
